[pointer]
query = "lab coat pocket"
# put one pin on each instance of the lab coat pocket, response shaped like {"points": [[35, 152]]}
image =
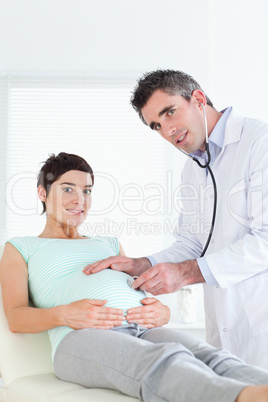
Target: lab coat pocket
{"points": [[253, 293]]}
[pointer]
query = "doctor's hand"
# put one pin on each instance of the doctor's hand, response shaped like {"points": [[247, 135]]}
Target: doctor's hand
{"points": [[169, 277], [152, 314], [91, 314], [133, 266]]}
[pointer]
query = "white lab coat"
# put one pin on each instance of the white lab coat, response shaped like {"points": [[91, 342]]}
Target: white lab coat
{"points": [[237, 309]]}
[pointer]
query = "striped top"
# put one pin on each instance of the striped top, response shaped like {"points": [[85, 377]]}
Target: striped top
{"points": [[55, 275]]}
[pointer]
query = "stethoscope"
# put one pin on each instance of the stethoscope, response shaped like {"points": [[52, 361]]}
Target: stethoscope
{"points": [[206, 165]]}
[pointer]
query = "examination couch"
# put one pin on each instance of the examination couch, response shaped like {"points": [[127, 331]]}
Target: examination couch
{"points": [[27, 371]]}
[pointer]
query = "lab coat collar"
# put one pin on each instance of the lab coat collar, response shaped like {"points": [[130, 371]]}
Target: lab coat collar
{"points": [[233, 129]]}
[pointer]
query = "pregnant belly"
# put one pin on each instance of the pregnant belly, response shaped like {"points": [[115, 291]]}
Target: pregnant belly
{"points": [[107, 285]]}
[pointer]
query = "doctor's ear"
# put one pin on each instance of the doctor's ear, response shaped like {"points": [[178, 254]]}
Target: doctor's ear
{"points": [[42, 194], [199, 98]]}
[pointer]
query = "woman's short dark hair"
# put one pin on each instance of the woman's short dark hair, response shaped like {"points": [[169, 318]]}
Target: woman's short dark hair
{"points": [[55, 166], [172, 82]]}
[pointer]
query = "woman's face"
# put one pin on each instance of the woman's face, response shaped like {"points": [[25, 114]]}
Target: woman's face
{"points": [[69, 198]]}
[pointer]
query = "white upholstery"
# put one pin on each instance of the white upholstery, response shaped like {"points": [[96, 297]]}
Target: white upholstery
{"points": [[27, 371]]}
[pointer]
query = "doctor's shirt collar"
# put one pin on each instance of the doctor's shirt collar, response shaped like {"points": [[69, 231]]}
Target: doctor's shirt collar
{"points": [[216, 138]]}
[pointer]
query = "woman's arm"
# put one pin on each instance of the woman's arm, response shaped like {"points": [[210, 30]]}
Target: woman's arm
{"points": [[22, 318], [121, 250]]}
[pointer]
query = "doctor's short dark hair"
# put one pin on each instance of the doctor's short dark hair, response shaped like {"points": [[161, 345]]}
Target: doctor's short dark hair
{"points": [[56, 165], [172, 82]]}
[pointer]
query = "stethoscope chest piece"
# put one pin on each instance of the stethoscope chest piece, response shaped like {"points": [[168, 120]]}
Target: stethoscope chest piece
{"points": [[130, 281]]}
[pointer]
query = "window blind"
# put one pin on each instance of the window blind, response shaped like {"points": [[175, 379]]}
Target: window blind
{"points": [[3, 156]]}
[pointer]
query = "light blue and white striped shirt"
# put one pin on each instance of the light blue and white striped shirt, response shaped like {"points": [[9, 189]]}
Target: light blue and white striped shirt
{"points": [[56, 277]]}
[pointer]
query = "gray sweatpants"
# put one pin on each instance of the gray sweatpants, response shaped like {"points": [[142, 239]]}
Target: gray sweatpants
{"points": [[153, 365]]}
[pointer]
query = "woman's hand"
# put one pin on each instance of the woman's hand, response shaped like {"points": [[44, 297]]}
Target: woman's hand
{"points": [[152, 314], [91, 314]]}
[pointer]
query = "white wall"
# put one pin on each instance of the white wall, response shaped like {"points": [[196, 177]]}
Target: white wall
{"points": [[222, 44], [238, 58], [86, 35]]}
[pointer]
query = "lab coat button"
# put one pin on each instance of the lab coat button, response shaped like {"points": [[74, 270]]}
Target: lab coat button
{"points": [[212, 241], [224, 329]]}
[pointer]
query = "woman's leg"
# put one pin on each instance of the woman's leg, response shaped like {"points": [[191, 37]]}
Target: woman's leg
{"points": [[137, 367], [219, 360]]}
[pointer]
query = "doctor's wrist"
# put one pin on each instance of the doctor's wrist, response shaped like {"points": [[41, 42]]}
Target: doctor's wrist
{"points": [[140, 265], [191, 272]]}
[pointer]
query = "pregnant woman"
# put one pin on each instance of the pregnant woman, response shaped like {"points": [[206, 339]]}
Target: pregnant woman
{"points": [[103, 333]]}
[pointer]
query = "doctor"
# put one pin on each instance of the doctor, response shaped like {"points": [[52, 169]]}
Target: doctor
{"points": [[234, 269]]}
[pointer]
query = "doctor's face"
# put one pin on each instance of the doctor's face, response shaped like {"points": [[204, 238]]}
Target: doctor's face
{"points": [[177, 120]]}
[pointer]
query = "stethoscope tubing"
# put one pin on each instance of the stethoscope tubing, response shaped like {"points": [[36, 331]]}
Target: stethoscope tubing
{"points": [[207, 166], [214, 212]]}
